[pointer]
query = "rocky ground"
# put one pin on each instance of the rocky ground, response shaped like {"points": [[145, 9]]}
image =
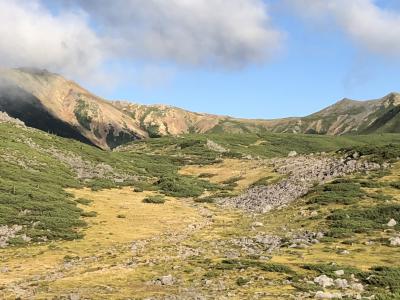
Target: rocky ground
{"points": [[302, 173]]}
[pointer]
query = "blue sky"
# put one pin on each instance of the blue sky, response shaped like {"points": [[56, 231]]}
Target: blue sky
{"points": [[318, 62]]}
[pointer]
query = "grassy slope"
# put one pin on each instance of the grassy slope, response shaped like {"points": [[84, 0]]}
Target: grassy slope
{"points": [[32, 181]]}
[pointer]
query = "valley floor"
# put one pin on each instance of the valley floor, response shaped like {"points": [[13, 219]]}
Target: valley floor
{"points": [[188, 250]]}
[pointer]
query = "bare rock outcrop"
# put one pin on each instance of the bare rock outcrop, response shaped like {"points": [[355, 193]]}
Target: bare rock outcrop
{"points": [[5, 118]]}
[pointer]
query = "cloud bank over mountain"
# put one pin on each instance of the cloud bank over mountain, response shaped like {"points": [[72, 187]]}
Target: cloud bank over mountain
{"points": [[79, 37]]}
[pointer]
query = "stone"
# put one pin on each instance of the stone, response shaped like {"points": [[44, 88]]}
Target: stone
{"points": [[357, 287], [395, 241], [392, 223], [74, 297], [292, 154], [326, 295], [257, 224], [341, 283], [339, 273], [167, 280], [324, 281]]}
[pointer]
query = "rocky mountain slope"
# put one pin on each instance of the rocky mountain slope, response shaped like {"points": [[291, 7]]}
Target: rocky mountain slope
{"points": [[344, 117], [50, 102]]}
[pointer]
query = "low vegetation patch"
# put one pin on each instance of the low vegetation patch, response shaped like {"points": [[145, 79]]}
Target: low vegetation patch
{"points": [[237, 264], [340, 191], [346, 222], [158, 199]]}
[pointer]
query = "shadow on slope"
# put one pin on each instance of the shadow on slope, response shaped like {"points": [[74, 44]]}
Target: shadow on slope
{"points": [[26, 107]]}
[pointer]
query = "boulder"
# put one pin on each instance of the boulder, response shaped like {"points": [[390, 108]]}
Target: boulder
{"points": [[167, 280], [324, 281], [392, 223], [341, 283], [395, 241], [339, 273]]}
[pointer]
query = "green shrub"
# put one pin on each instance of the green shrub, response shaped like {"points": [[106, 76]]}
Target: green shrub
{"points": [[158, 199], [234, 264], [88, 214], [242, 281], [232, 180], [206, 175], [83, 201], [344, 222], [395, 185], [209, 199]]}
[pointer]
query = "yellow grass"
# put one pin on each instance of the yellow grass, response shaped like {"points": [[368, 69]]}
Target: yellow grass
{"points": [[250, 170], [106, 233]]}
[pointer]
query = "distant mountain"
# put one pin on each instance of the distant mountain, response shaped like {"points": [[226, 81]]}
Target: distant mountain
{"points": [[52, 103], [344, 117]]}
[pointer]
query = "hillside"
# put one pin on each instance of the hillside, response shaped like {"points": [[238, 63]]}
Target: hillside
{"points": [[344, 117], [161, 218], [51, 103]]}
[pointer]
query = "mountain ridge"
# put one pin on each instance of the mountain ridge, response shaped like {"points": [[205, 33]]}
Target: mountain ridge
{"points": [[52, 103]]}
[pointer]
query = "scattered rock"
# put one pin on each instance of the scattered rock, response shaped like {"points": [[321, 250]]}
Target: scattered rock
{"points": [[213, 146], [341, 283], [357, 287], [326, 295], [324, 281], [392, 223], [5, 118], [257, 224], [301, 172], [74, 297], [292, 154], [7, 233], [167, 280], [395, 241], [339, 273]]}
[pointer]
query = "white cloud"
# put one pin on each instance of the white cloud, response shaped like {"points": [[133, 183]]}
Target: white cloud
{"points": [[85, 35], [370, 26], [31, 36], [220, 33]]}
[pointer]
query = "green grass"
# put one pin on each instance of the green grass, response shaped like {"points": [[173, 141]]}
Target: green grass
{"points": [[263, 144]]}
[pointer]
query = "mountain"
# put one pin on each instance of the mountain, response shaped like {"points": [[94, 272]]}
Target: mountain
{"points": [[52, 103], [344, 117]]}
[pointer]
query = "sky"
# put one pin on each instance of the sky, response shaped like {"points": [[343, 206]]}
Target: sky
{"points": [[244, 58]]}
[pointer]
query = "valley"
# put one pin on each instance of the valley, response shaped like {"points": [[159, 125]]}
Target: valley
{"points": [[85, 231]]}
